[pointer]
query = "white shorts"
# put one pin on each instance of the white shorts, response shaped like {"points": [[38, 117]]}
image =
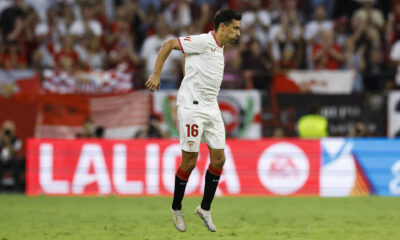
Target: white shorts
{"points": [[200, 124]]}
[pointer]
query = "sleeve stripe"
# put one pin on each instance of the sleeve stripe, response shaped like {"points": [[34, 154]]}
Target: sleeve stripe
{"points": [[180, 44]]}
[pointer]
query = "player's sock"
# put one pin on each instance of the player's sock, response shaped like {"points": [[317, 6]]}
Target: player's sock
{"points": [[181, 179], [212, 179]]}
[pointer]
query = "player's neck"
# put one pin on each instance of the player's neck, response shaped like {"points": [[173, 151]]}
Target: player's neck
{"points": [[219, 38]]}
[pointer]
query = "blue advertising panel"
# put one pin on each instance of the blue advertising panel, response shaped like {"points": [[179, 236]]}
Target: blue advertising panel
{"points": [[380, 162]]}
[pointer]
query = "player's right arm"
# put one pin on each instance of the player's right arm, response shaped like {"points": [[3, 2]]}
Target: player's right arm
{"points": [[190, 44], [153, 82]]}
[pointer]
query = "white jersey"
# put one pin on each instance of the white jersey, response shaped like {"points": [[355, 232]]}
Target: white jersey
{"points": [[204, 69]]}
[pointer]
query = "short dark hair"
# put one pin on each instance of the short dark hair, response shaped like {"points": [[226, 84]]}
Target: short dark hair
{"points": [[225, 16]]}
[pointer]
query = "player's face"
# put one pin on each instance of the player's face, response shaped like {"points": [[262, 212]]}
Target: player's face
{"points": [[232, 31]]}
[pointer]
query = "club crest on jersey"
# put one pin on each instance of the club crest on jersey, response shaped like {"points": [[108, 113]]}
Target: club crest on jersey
{"points": [[187, 39], [213, 49], [190, 144]]}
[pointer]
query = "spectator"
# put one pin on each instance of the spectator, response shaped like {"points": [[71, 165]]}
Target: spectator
{"points": [[327, 55], [256, 67], [359, 129], [257, 18], [87, 26], [13, 57], [395, 59], [295, 16], [286, 35], [313, 124], [9, 161], [342, 30], [361, 36], [374, 19], [123, 53], [184, 16], [93, 57], [88, 130], [48, 37], [275, 11], [150, 48], [99, 13], [12, 21], [152, 130], [49, 28], [376, 72], [66, 19], [67, 59], [233, 60], [393, 24], [288, 60], [99, 132], [145, 4], [118, 28], [278, 132], [313, 30], [354, 60], [139, 22], [328, 5]]}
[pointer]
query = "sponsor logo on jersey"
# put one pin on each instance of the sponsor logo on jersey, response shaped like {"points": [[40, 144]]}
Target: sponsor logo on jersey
{"points": [[187, 39], [213, 49]]}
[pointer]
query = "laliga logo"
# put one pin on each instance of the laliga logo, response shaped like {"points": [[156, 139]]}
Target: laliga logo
{"points": [[283, 168]]}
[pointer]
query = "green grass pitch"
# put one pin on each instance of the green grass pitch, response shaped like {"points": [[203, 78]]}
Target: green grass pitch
{"points": [[23, 217]]}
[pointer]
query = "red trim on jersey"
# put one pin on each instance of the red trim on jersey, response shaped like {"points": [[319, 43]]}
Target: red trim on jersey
{"points": [[180, 45], [216, 172], [212, 32], [182, 174]]}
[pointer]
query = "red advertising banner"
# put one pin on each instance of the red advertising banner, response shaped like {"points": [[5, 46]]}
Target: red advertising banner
{"points": [[147, 167], [19, 83]]}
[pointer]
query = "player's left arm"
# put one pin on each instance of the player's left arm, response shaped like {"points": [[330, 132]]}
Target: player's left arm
{"points": [[153, 82]]}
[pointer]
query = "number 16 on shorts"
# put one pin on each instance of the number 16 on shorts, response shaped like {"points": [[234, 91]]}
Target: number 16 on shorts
{"points": [[190, 136], [192, 130]]}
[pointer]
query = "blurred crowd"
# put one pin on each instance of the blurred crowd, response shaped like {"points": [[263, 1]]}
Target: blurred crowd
{"points": [[277, 36]]}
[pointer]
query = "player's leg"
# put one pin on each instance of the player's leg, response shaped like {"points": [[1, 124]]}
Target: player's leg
{"points": [[213, 174], [190, 131], [189, 160], [214, 133], [181, 178]]}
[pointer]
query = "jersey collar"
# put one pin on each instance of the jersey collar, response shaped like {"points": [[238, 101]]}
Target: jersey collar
{"points": [[219, 45]]}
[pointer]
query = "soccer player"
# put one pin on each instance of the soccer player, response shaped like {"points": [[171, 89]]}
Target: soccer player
{"points": [[198, 111]]}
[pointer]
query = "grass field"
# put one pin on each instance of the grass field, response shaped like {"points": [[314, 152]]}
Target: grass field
{"points": [[23, 217]]}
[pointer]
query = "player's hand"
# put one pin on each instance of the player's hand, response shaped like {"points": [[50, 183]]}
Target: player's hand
{"points": [[153, 82]]}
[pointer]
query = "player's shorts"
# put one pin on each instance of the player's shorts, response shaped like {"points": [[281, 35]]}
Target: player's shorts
{"points": [[200, 124]]}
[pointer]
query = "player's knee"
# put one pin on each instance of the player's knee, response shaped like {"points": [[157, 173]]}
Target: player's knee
{"points": [[189, 162], [190, 166], [219, 162]]}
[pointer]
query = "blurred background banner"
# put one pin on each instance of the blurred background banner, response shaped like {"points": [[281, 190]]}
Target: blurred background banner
{"points": [[341, 174], [342, 112], [19, 83], [360, 167], [241, 111], [393, 110], [380, 162], [323, 81], [146, 167], [62, 116], [112, 81]]}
